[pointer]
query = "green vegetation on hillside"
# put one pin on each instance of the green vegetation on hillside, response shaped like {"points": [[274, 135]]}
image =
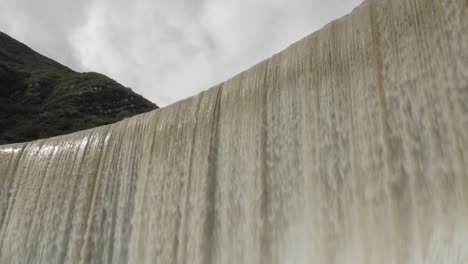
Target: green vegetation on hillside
{"points": [[41, 98]]}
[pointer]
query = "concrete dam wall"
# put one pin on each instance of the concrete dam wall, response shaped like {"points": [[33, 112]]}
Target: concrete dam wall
{"points": [[350, 146]]}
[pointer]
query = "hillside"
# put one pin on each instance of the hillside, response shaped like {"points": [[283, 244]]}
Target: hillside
{"points": [[41, 98]]}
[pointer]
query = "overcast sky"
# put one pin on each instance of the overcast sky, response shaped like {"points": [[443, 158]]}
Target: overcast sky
{"points": [[165, 50]]}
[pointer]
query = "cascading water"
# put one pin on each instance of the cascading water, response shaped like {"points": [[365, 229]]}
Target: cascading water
{"points": [[348, 147]]}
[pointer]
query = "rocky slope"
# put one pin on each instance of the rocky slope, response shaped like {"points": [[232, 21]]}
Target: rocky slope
{"points": [[41, 98]]}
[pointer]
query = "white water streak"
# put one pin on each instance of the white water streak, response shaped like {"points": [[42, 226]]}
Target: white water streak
{"points": [[348, 147]]}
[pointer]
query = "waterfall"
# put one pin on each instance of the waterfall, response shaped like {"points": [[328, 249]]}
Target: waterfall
{"points": [[350, 146]]}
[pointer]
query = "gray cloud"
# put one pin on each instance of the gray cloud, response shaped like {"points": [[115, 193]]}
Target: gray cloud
{"points": [[165, 49], [45, 25]]}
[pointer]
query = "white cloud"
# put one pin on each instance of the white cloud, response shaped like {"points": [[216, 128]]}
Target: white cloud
{"points": [[165, 49]]}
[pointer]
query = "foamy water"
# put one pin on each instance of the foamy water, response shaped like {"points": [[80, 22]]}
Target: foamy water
{"points": [[348, 147]]}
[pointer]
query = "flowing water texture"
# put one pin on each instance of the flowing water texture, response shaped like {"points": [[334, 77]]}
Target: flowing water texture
{"points": [[351, 146]]}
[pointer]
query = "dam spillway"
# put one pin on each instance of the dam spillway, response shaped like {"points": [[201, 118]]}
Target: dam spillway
{"points": [[350, 146]]}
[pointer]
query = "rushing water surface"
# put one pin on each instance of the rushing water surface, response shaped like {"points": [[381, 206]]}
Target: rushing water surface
{"points": [[348, 147]]}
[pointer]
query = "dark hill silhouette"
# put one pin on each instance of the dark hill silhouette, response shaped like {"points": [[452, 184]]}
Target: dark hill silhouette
{"points": [[41, 98]]}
